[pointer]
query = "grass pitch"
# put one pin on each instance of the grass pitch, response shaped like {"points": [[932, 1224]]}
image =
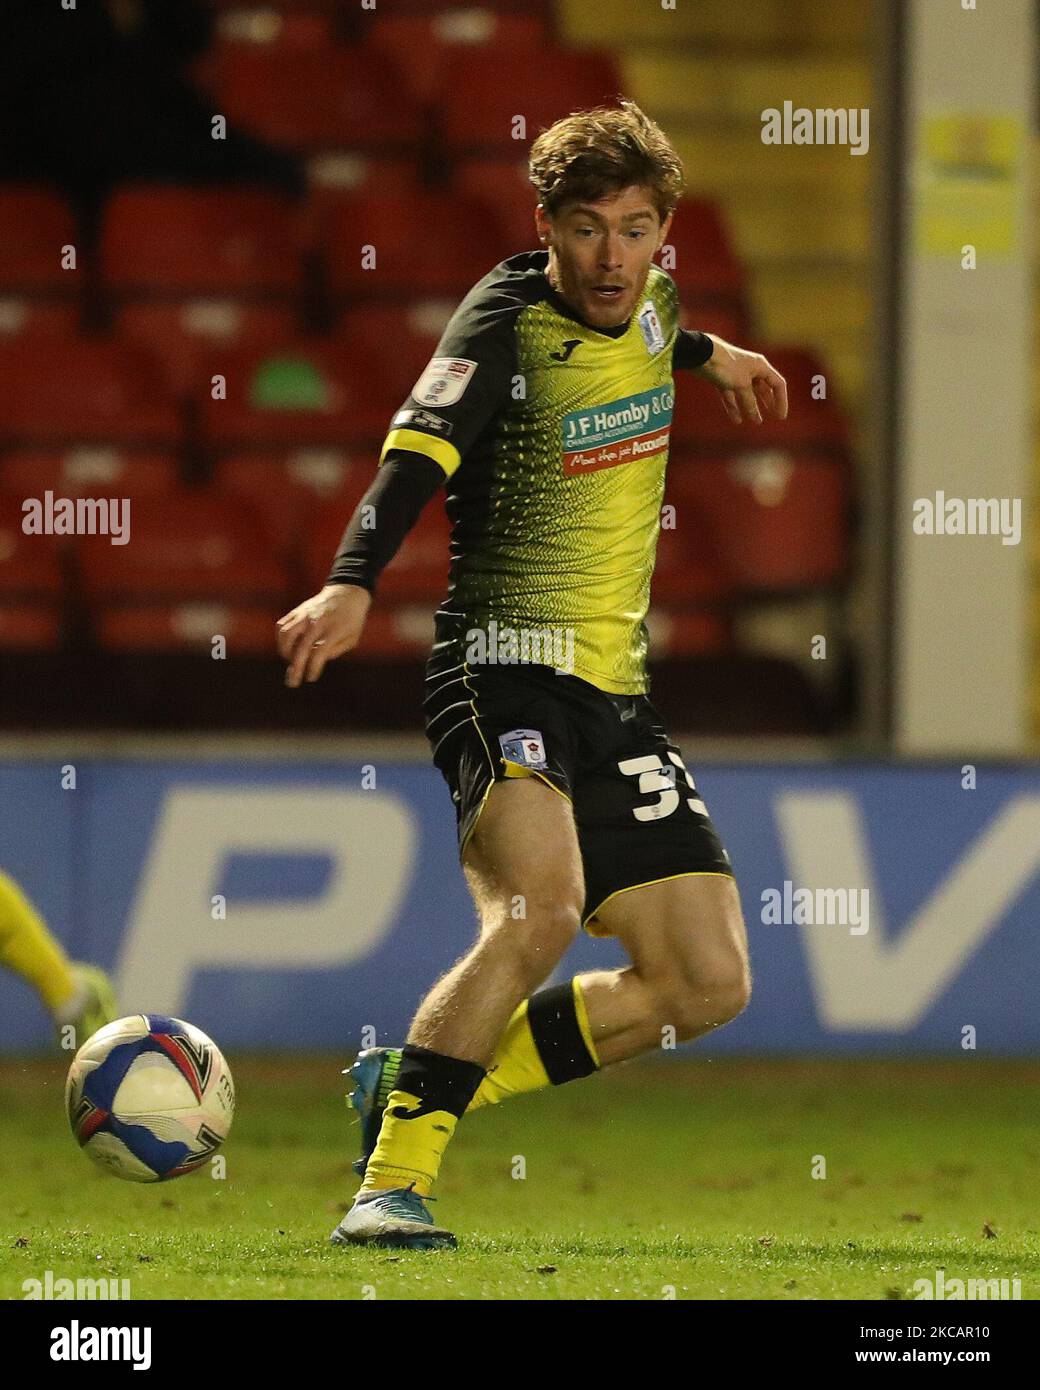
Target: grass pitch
{"points": [[687, 1179]]}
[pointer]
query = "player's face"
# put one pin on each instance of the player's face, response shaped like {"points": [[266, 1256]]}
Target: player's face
{"points": [[600, 253]]}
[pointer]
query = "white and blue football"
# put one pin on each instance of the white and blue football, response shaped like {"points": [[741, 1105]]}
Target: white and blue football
{"points": [[150, 1097]]}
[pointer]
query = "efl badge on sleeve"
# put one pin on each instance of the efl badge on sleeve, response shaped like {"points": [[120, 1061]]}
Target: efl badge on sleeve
{"points": [[444, 380]]}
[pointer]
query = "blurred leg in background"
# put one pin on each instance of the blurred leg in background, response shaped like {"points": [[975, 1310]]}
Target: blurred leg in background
{"points": [[74, 994]]}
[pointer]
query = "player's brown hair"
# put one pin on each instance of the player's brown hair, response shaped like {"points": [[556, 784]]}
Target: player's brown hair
{"points": [[591, 154]]}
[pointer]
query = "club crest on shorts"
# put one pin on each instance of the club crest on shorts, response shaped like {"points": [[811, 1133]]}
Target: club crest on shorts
{"points": [[523, 746]]}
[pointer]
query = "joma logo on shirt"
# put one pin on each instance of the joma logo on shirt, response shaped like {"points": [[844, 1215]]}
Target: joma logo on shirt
{"points": [[565, 350]]}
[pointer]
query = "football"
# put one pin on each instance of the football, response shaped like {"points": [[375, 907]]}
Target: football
{"points": [[150, 1098]]}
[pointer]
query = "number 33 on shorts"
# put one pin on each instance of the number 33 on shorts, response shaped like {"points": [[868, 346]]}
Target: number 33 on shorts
{"points": [[656, 776]]}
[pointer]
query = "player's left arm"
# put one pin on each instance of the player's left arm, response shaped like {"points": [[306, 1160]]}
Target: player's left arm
{"points": [[747, 382]]}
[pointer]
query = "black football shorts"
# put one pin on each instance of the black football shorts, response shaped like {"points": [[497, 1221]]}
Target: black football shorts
{"points": [[637, 811]]}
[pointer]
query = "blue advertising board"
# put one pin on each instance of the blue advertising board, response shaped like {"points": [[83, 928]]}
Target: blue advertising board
{"points": [[285, 906]]}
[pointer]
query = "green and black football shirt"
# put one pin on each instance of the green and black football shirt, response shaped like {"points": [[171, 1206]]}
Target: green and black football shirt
{"points": [[553, 438]]}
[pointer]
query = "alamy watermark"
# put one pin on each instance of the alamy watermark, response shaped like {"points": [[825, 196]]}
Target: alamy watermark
{"points": [[51, 1288], [831, 907], [954, 1289], [77, 516], [509, 646], [81, 1342], [802, 125], [969, 516]]}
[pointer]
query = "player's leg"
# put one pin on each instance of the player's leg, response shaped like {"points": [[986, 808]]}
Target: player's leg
{"points": [[523, 865], [75, 995], [647, 843], [689, 975], [650, 855], [28, 948], [690, 972], [659, 878], [503, 745], [552, 1036]]}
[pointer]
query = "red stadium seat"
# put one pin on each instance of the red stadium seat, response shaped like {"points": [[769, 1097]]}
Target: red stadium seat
{"points": [[305, 28], [429, 244], [777, 522], [675, 632], [502, 186], [29, 565], [188, 546], [420, 568], [313, 392], [318, 7], [22, 319], [328, 522], [311, 101], [688, 570], [422, 44], [354, 171], [29, 627], [726, 322], [30, 583], [184, 339], [811, 422], [34, 226], [396, 632], [418, 571], [400, 339], [89, 472], [701, 423], [486, 89], [290, 493], [84, 390], [250, 630], [335, 7], [190, 241], [699, 256]]}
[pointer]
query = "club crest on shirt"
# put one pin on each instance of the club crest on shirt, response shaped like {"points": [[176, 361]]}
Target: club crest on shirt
{"points": [[650, 327], [444, 380], [523, 746]]}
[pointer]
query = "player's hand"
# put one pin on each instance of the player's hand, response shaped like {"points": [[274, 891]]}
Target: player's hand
{"points": [[320, 629], [748, 384]]}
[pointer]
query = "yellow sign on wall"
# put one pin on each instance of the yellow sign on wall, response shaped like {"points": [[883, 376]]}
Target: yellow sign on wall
{"points": [[969, 176]]}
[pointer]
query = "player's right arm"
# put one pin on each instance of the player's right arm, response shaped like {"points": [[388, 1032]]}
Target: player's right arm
{"points": [[466, 381], [322, 627], [331, 622]]}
